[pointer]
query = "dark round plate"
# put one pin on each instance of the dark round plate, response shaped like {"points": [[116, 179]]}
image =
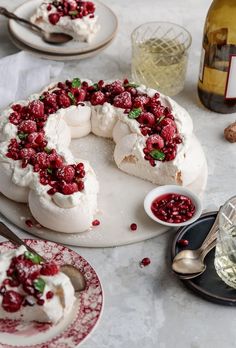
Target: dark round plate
{"points": [[208, 285]]}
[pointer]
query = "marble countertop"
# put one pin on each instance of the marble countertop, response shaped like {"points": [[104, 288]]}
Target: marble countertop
{"points": [[149, 307]]}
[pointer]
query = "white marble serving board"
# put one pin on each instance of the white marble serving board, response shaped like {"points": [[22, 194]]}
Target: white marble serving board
{"points": [[120, 202]]}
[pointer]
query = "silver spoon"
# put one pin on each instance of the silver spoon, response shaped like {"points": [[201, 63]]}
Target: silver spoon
{"points": [[52, 38], [194, 275], [76, 277], [195, 253], [188, 266]]}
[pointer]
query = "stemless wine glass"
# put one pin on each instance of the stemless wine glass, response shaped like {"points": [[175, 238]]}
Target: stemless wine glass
{"points": [[160, 56], [225, 254]]}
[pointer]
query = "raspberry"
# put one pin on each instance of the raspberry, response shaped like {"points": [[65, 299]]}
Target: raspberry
{"points": [[147, 118], [36, 109], [115, 87], [123, 100], [98, 98], [50, 101], [49, 269], [42, 160], [54, 18], [63, 101], [28, 126], [80, 95], [167, 121], [155, 141], [26, 153], [168, 132], [140, 101], [68, 189], [66, 173], [12, 301], [35, 139], [14, 118]]}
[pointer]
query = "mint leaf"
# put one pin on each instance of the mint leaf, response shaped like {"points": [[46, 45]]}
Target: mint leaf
{"points": [[95, 86], [41, 97], [160, 119], [135, 113], [73, 13], [76, 83], [22, 136], [47, 150], [72, 97], [33, 257], [157, 155], [130, 84], [39, 284], [49, 170]]}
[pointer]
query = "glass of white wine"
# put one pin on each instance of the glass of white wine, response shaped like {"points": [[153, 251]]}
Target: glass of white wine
{"points": [[160, 56], [225, 254]]}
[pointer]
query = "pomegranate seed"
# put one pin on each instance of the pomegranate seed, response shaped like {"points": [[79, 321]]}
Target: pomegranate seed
{"points": [[49, 7], [145, 262], [52, 191], [49, 295], [133, 227], [183, 242], [40, 302], [96, 223], [80, 166], [29, 223], [80, 186], [54, 18]]}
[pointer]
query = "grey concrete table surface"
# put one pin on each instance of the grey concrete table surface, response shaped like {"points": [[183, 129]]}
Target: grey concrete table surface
{"points": [[149, 307]]}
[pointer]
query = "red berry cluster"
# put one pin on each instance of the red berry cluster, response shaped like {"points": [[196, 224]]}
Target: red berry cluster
{"points": [[156, 121], [25, 272], [31, 146], [73, 8], [173, 208]]}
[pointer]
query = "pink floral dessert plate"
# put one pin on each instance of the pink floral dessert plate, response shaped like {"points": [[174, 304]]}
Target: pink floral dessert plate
{"points": [[73, 329]]}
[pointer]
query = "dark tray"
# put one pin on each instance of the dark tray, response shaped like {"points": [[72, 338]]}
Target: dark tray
{"points": [[208, 285]]}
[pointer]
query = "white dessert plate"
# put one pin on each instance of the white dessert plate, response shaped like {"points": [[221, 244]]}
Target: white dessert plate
{"points": [[69, 332], [57, 57], [120, 202], [107, 20]]}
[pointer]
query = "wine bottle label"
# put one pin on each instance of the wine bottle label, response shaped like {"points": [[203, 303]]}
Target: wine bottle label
{"points": [[202, 60], [230, 90]]}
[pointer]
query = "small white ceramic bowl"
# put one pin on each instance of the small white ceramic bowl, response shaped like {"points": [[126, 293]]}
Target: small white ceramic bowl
{"points": [[162, 190]]}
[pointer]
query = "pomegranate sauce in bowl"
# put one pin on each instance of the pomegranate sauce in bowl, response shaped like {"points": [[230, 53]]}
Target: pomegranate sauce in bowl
{"points": [[172, 205], [173, 208]]}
